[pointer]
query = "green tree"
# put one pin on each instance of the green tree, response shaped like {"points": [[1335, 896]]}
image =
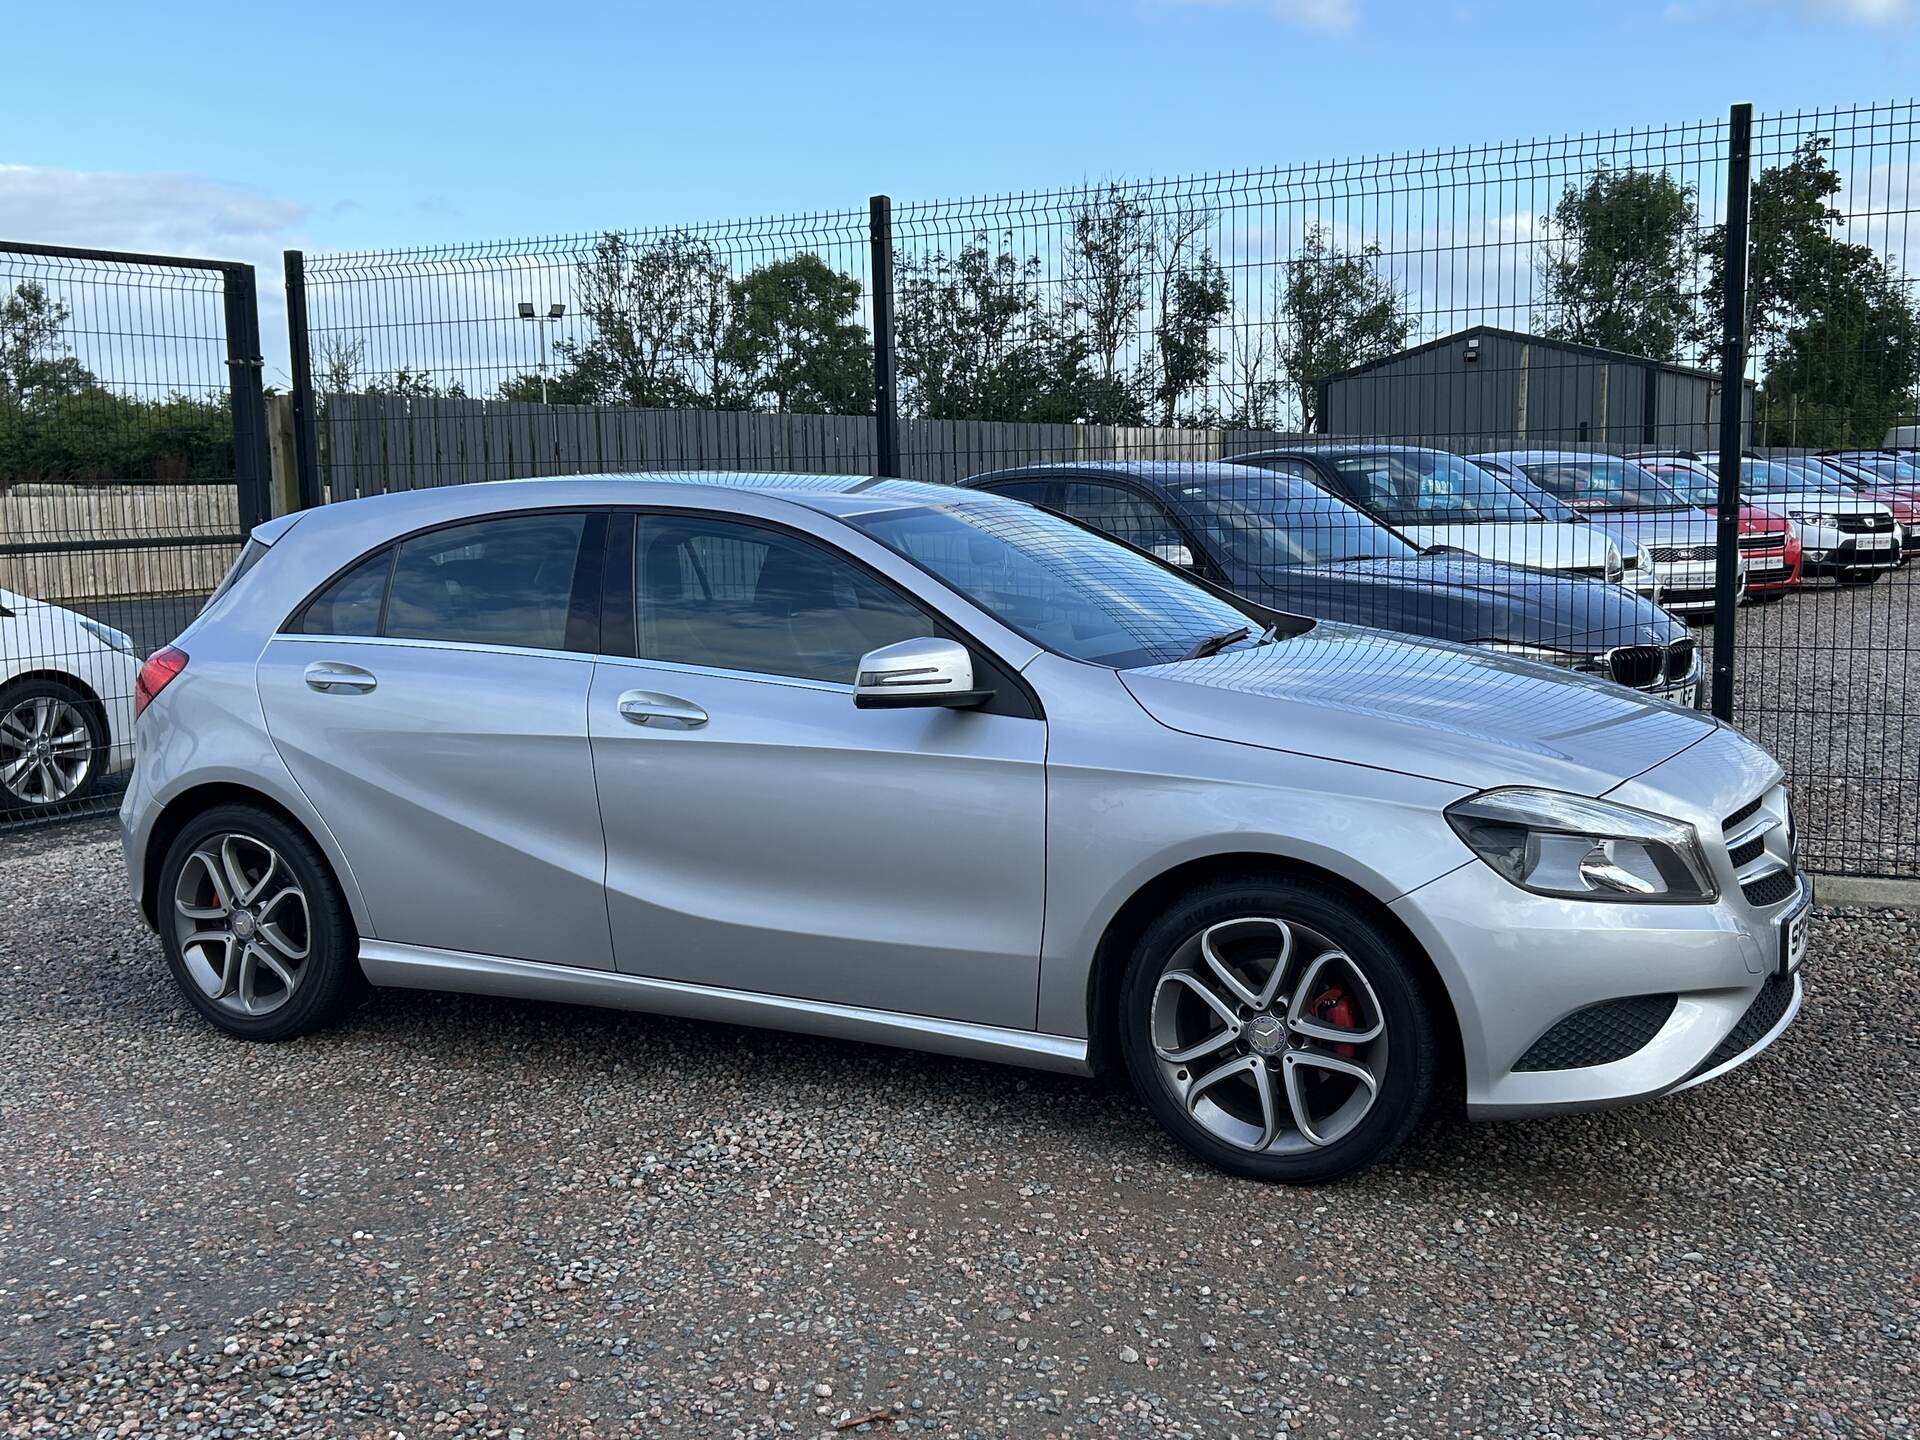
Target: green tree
{"points": [[35, 361], [975, 341], [1338, 311], [1620, 271], [794, 340], [1832, 324], [658, 312]]}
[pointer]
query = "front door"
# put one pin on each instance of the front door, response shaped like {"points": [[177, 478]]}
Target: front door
{"points": [[765, 835]]}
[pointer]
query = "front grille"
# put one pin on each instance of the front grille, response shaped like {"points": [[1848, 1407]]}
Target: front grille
{"points": [[1752, 850], [1864, 524], [1771, 888], [1599, 1034], [1637, 666], [1762, 541], [1762, 1015], [1670, 553], [1752, 807], [1679, 660]]}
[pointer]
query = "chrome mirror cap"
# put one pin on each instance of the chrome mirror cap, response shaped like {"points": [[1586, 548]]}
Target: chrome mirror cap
{"points": [[928, 671]]}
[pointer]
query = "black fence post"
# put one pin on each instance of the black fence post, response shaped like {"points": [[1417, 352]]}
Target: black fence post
{"points": [[886, 377], [306, 419], [251, 464], [1733, 368]]}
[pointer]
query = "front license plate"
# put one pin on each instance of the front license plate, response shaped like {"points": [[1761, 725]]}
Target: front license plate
{"points": [[1793, 935], [1876, 542]]}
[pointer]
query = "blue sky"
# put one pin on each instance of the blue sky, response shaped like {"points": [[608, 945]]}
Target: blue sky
{"points": [[355, 125], [241, 130]]}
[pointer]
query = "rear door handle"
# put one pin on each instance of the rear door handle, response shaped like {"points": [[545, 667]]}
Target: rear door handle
{"points": [[331, 677], [648, 707]]}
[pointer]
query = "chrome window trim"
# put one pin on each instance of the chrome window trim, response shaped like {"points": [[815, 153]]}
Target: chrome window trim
{"points": [[466, 646]]}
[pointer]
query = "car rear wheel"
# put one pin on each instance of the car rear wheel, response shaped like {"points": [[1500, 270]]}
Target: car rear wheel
{"points": [[53, 746], [254, 927], [1274, 1028]]}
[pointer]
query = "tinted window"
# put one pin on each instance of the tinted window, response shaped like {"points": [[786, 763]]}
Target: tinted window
{"points": [[1034, 492], [739, 597], [1603, 484], [1269, 518], [1118, 511], [351, 604], [1063, 587], [491, 582]]}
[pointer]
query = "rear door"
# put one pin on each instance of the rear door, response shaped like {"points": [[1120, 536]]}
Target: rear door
{"points": [[432, 703], [763, 834]]}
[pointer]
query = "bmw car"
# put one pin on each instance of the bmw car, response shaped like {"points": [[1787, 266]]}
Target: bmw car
{"points": [[928, 767], [1281, 540]]}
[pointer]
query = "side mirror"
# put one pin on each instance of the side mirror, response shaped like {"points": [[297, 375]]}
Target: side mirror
{"points": [[1176, 554], [914, 673]]}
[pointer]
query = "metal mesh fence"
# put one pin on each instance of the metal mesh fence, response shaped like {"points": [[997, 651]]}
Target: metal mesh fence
{"points": [[119, 502]]}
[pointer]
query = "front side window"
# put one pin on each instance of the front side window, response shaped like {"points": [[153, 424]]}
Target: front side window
{"points": [[489, 582], [731, 596], [1062, 587]]}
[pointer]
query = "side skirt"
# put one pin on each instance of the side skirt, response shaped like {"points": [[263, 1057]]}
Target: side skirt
{"points": [[420, 967]]}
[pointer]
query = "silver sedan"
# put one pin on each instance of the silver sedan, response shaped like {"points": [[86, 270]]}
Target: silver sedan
{"points": [[928, 767]]}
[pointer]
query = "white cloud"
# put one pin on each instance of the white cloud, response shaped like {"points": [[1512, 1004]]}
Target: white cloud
{"points": [[1332, 16], [1854, 12], [189, 215]]}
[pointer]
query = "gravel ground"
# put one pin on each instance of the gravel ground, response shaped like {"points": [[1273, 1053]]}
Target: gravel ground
{"points": [[455, 1216]]}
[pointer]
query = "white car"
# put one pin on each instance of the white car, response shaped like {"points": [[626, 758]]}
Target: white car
{"points": [[66, 704]]}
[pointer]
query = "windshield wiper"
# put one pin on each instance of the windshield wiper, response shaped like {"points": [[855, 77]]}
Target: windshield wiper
{"points": [[1446, 550], [1213, 644]]}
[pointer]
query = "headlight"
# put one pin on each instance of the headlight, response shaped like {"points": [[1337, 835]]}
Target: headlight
{"points": [[1615, 566], [113, 639], [1815, 517], [1579, 849]]}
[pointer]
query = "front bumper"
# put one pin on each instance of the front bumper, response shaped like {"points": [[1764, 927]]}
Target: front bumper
{"points": [[1768, 571], [1823, 549], [1687, 586], [1517, 965]]}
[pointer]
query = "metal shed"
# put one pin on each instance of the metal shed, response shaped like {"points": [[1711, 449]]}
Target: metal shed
{"points": [[1486, 388]]}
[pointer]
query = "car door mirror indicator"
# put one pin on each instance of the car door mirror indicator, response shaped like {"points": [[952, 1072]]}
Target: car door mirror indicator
{"points": [[915, 673]]}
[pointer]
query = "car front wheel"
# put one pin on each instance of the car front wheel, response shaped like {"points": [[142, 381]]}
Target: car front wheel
{"points": [[52, 745], [1274, 1028], [254, 926]]}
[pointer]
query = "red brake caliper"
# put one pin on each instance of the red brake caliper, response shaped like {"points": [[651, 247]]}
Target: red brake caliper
{"points": [[1332, 1007]]}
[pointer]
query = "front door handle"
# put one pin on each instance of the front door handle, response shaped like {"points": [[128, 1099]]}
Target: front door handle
{"points": [[648, 707], [331, 677]]}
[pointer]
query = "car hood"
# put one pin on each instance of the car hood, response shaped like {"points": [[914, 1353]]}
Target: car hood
{"points": [[1445, 712], [1548, 544], [1657, 527], [1464, 598]]}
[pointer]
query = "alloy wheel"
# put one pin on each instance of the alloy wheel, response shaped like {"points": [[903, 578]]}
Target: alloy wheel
{"points": [[1269, 1035], [243, 923], [46, 750]]}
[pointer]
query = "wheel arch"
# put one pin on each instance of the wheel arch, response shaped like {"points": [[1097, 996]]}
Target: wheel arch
{"points": [[182, 809], [1152, 898]]}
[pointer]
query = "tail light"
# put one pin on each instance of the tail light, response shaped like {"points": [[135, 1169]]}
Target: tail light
{"points": [[156, 675]]}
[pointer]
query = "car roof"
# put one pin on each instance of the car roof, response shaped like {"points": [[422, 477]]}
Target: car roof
{"points": [[1517, 455], [1341, 447], [1159, 475]]}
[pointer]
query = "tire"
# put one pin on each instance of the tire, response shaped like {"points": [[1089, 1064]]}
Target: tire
{"points": [[1227, 1122], [53, 744], [238, 977], [1770, 597], [1858, 577]]}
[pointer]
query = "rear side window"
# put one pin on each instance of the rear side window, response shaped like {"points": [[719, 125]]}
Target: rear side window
{"points": [[249, 557], [351, 604], [492, 582]]}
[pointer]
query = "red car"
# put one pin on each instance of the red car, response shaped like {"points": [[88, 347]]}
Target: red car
{"points": [[1768, 542]]}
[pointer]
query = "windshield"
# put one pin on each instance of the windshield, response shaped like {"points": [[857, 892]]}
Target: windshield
{"points": [[1600, 483], [1268, 520], [1692, 483], [1416, 488], [1887, 467], [1068, 589], [1777, 477]]}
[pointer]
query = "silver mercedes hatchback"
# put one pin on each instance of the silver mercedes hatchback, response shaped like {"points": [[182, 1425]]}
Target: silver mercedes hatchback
{"points": [[901, 763]]}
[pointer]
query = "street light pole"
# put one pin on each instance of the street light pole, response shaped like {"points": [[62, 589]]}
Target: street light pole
{"points": [[554, 312]]}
